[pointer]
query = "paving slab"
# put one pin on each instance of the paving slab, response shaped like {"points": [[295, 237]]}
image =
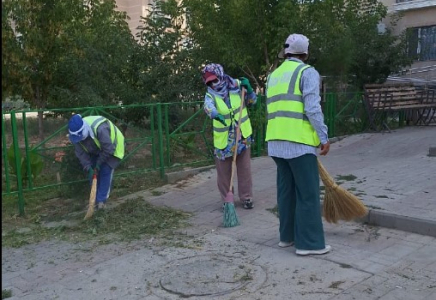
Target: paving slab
{"points": [[245, 262]]}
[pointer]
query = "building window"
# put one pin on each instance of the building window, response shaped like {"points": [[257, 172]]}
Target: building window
{"points": [[422, 43]]}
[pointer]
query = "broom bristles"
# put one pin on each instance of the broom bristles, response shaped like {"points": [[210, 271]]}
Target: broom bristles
{"points": [[230, 218], [330, 211], [339, 204], [92, 197]]}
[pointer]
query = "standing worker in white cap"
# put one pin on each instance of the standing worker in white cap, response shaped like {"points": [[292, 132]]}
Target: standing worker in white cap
{"points": [[99, 145], [294, 131]]}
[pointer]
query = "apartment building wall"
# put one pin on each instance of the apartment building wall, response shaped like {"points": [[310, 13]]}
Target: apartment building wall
{"points": [[418, 15], [135, 9]]}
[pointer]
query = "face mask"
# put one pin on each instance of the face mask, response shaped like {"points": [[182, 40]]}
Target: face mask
{"points": [[218, 86], [85, 133]]}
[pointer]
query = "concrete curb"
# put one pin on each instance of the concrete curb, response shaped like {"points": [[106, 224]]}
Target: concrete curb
{"points": [[404, 223], [432, 151], [393, 221], [173, 177]]}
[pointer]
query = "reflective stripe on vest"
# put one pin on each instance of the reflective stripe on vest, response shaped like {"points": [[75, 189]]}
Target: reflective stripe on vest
{"points": [[221, 132], [117, 137], [286, 118]]}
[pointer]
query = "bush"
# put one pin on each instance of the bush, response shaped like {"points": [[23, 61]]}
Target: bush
{"points": [[71, 170]]}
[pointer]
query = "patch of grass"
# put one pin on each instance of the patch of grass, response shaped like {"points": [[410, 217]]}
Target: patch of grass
{"points": [[374, 207], [157, 193], [6, 294], [128, 221], [274, 210], [335, 284], [349, 177], [135, 217], [32, 201], [49, 204], [131, 183]]}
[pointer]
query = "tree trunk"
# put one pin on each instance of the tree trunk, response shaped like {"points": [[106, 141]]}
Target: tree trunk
{"points": [[40, 105], [40, 125]]}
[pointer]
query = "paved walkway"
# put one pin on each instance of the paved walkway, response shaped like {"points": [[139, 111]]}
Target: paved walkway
{"points": [[394, 177]]}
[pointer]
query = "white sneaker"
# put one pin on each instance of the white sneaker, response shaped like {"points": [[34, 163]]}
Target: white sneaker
{"points": [[285, 244], [101, 205], [314, 252]]}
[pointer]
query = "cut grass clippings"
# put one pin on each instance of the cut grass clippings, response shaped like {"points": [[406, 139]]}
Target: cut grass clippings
{"points": [[274, 210], [130, 220], [349, 177], [6, 294]]}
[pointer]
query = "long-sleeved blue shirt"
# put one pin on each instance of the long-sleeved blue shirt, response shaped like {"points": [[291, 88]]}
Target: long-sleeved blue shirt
{"points": [[309, 85]]}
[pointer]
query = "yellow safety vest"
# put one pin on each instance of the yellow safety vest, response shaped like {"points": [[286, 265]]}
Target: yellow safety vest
{"points": [[221, 132], [286, 118], [117, 137]]}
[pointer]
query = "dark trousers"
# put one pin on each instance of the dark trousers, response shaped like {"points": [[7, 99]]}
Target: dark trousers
{"points": [[242, 173], [104, 181], [298, 202]]}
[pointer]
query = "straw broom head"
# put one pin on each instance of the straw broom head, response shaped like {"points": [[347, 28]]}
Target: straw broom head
{"points": [[92, 197], [339, 204]]}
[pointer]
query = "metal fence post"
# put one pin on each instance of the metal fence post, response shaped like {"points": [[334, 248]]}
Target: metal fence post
{"points": [[17, 163], [5, 155], [26, 147], [160, 139]]}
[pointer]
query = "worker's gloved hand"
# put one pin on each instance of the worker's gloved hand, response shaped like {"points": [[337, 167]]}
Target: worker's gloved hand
{"points": [[221, 119], [245, 83], [90, 173]]}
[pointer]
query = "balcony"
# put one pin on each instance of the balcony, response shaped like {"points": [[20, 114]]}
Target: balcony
{"points": [[403, 5]]}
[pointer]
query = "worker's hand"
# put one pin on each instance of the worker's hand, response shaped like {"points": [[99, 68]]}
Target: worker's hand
{"points": [[221, 119], [245, 83], [90, 173], [96, 170], [324, 148]]}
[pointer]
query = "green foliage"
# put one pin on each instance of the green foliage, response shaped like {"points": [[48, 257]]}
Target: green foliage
{"points": [[248, 40], [68, 53], [71, 170], [168, 56], [6, 294], [36, 163], [73, 53]]}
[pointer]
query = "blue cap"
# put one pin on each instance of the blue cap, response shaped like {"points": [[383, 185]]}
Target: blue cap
{"points": [[75, 129]]}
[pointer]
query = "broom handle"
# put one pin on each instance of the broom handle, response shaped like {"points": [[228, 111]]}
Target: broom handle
{"points": [[325, 176], [237, 135]]}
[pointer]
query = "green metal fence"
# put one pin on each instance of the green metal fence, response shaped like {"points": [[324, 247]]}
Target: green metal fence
{"points": [[160, 138]]}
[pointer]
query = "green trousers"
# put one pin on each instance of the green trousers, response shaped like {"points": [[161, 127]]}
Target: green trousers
{"points": [[298, 202]]}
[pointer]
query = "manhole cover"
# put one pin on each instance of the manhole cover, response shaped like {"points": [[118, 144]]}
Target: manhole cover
{"points": [[207, 275]]}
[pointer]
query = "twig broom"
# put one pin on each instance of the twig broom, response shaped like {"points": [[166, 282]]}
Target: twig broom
{"points": [[230, 218], [339, 204], [92, 197]]}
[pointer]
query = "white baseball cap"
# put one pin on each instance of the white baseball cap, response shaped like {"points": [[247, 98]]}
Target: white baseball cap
{"points": [[295, 44]]}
